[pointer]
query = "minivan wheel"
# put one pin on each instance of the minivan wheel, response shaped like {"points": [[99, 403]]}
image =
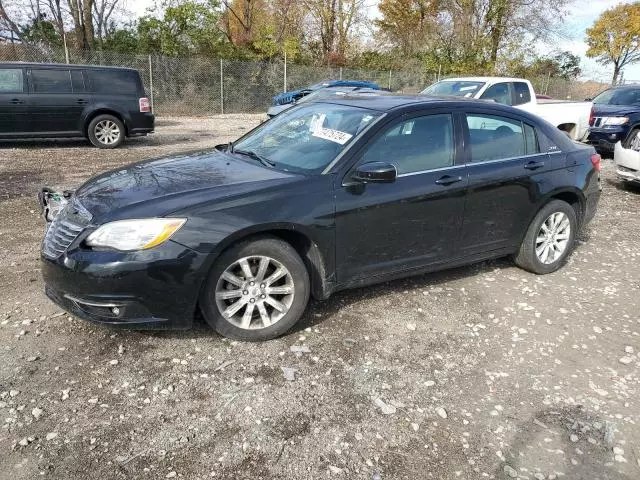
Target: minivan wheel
{"points": [[549, 239], [106, 131], [256, 290]]}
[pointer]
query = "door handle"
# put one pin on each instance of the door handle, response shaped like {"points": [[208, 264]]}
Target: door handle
{"points": [[448, 180], [534, 165], [81, 101], [16, 101]]}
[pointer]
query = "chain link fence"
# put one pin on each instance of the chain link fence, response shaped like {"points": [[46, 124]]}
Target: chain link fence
{"points": [[204, 86]]}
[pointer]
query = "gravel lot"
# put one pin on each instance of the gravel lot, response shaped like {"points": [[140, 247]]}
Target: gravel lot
{"points": [[479, 372]]}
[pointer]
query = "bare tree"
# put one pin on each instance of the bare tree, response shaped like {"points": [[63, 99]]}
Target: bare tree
{"points": [[102, 13]]}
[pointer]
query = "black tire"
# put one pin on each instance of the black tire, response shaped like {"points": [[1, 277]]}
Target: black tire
{"points": [[277, 250], [105, 120], [630, 137], [527, 258]]}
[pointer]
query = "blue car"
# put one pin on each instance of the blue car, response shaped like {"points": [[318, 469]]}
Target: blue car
{"points": [[288, 97], [615, 116]]}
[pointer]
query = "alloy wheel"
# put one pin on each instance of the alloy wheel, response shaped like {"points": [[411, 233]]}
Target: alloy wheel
{"points": [[107, 132], [553, 238], [254, 292]]}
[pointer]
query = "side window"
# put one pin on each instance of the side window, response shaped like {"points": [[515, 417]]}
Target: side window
{"points": [[120, 82], [522, 93], [11, 80], [50, 81], [415, 145], [499, 93], [531, 140], [494, 138], [77, 80]]}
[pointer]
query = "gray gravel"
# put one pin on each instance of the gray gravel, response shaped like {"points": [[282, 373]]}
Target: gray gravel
{"points": [[479, 372]]}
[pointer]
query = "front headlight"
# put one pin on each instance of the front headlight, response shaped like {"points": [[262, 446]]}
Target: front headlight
{"points": [[612, 121], [127, 235]]}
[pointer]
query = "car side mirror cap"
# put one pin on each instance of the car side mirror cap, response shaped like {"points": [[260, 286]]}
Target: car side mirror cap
{"points": [[375, 172]]}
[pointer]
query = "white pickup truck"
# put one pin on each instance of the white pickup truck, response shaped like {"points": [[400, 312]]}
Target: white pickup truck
{"points": [[571, 117]]}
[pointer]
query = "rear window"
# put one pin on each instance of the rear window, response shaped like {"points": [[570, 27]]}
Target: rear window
{"points": [[522, 93], [119, 82], [11, 80], [45, 80]]}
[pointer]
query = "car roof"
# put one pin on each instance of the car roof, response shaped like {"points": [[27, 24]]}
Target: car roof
{"points": [[483, 79], [62, 65], [625, 87], [386, 102]]}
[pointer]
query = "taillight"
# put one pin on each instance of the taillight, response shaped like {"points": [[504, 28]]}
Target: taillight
{"points": [[145, 105], [595, 160], [592, 114]]}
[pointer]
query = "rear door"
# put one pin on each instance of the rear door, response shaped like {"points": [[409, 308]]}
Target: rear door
{"points": [[54, 107], [13, 101], [121, 88], [506, 168], [387, 228]]}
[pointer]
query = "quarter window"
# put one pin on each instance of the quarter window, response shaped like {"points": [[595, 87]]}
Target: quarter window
{"points": [[50, 81], [531, 140], [11, 80], [415, 145], [522, 93], [493, 138], [121, 82], [499, 93]]}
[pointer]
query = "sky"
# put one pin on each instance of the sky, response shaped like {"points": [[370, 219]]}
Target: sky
{"points": [[580, 16]]}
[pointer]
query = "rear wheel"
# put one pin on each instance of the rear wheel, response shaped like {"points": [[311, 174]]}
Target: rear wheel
{"points": [[106, 131], [549, 239], [256, 290]]}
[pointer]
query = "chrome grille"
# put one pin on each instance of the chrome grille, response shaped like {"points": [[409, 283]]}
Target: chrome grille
{"points": [[64, 229]]}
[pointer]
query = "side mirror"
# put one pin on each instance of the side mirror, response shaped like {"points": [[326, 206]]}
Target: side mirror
{"points": [[375, 172]]}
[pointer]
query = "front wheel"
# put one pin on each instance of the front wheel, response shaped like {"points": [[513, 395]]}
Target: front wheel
{"points": [[106, 131], [256, 290], [549, 239]]}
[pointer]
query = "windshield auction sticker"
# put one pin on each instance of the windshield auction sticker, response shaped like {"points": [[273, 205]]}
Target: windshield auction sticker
{"points": [[332, 135]]}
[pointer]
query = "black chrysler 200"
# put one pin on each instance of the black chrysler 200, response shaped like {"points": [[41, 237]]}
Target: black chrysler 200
{"points": [[324, 197]]}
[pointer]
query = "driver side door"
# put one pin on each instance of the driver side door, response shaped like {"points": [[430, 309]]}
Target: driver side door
{"points": [[386, 229]]}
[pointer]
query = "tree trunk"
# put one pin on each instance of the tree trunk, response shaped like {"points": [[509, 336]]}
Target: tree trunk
{"points": [[616, 74]]}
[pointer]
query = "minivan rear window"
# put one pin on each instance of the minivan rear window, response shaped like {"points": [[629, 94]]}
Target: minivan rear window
{"points": [[116, 82], [11, 80], [50, 80]]}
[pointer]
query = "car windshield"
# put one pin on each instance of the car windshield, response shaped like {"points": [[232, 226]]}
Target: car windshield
{"points": [[307, 138], [622, 96], [453, 87]]}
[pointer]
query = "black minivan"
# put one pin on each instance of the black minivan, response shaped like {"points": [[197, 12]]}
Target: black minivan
{"points": [[103, 104]]}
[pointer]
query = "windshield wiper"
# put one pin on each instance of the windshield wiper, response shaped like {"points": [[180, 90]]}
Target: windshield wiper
{"points": [[251, 154]]}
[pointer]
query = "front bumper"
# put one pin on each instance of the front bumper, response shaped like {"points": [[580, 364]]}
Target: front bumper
{"points": [[151, 289], [604, 139], [627, 163]]}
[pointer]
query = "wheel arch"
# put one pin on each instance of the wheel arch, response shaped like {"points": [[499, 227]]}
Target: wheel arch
{"points": [[572, 196], [296, 236], [568, 128], [104, 111]]}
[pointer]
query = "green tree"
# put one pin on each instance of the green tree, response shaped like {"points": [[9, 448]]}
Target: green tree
{"points": [[615, 38], [187, 28]]}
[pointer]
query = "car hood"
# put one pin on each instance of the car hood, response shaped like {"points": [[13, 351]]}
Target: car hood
{"points": [[602, 110], [158, 187]]}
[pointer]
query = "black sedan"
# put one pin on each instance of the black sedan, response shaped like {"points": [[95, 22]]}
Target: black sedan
{"points": [[323, 197]]}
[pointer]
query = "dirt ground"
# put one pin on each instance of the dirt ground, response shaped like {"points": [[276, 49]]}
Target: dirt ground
{"points": [[479, 372]]}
